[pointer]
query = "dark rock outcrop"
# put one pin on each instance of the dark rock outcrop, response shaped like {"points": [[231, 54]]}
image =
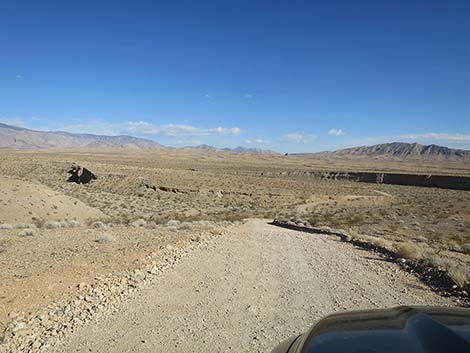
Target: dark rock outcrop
{"points": [[80, 175]]}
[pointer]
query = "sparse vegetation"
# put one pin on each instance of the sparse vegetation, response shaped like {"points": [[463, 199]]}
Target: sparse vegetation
{"points": [[466, 248], [140, 202], [27, 232], [408, 250], [99, 225]]}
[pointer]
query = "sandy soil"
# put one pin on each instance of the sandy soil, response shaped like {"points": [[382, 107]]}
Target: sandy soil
{"points": [[22, 202], [248, 290], [47, 267]]}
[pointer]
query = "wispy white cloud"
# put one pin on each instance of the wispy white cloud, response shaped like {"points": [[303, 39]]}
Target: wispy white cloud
{"points": [[149, 129], [257, 142], [208, 96], [336, 132], [455, 138], [19, 76], [12, 121], [249, 96], [296, 137]]}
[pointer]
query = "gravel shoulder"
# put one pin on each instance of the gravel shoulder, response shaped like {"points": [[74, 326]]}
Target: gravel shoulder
{"points": [[248, 290]]}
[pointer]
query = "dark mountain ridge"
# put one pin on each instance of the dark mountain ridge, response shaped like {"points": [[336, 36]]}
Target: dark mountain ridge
{"points": [[399, 150]]}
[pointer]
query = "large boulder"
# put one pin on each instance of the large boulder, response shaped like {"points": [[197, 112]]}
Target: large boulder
{"points": [[80, 175]]}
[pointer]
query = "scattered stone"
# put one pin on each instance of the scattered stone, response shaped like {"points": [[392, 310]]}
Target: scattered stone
{"points": [[32, 332]]}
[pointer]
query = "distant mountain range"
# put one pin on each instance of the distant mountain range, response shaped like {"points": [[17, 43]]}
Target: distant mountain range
{"points": [[238, 149], [399, 151], [12, 137]]}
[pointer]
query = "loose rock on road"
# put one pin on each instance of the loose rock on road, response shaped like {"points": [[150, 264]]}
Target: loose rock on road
{"points": [[248, 290]]}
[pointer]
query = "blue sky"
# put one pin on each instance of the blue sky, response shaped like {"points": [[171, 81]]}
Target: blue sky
{"points": [[293, 76]]}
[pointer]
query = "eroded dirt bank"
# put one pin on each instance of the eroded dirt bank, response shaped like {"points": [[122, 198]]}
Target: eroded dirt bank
{"points": [[248, 290]]}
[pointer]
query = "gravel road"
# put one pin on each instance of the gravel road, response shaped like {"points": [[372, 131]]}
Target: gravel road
{"points": [[246, 291]]}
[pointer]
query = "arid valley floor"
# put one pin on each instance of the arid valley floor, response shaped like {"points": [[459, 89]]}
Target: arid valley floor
{"points": [[171, 250]]}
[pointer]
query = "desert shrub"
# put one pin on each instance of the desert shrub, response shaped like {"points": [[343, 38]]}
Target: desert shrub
{"points": [[158, 219], [28, 232], [352, 235], [173, 223], [185, 226], [104, 238], [408, 250], [6, 226], [453, 246], [466, 248], [382, 243], [99, 225], [138, 223], [204, 224], [38, 222], [420, 239], [25, 226], [352, 220], [151, 225], [53, 225], [459, 274], [74, 224], [438, 261]]}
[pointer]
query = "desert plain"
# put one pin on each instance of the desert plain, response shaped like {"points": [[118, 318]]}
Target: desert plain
{"points": [[72, 254]]}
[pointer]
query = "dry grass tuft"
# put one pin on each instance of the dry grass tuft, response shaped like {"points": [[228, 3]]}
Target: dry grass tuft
{"points": [[173, 223], [185, 226], [25, 226], [53, 225], [99, 225], [407, 250], [27, 232], [74, 224], [461, 276], [138, 223], [466, 248], [352, 235]]}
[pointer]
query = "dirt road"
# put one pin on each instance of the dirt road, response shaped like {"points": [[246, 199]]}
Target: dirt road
{"points": [[248, 290]]}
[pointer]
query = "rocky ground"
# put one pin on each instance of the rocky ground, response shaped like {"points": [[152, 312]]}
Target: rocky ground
{"points": [[46, 298], [246, 291], [70, 253]]}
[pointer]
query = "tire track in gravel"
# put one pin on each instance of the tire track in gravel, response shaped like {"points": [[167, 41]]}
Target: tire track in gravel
{"points": [[248, 290]]}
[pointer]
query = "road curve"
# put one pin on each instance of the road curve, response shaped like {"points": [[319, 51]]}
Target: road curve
{"points": [[248, 290]]}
